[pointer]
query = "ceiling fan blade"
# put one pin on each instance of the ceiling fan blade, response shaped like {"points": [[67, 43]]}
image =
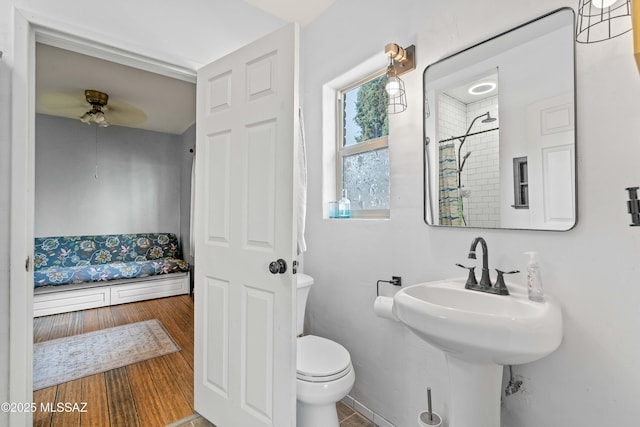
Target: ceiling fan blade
{"points": [[68, 112], [74, 105], [53, 101], [124, 114]]}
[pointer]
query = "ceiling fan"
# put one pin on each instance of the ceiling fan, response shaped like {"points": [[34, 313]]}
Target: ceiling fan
{"points": [[98, 101], [91, 107]]}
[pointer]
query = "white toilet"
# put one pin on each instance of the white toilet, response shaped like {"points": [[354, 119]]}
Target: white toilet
{"points": [[324, 372]]}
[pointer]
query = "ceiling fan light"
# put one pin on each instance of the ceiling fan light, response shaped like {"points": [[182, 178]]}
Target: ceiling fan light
{"points": [[98, 101]]}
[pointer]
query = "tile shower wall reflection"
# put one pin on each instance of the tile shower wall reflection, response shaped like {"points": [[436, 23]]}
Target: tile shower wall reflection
{"points": [[481, 174], [482, 171]]}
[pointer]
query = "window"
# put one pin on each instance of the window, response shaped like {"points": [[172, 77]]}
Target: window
{"points": [[363, 148]]}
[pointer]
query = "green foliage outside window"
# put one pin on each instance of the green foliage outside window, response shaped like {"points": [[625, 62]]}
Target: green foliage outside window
{"points": [[371, 110]]}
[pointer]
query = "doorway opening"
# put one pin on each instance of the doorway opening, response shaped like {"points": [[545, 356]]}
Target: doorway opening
{"points": [[27, 34]]}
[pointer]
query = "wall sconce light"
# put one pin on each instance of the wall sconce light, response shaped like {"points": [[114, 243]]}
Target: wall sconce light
{"points": [[400, 61], [635, 23], [600, 20]]}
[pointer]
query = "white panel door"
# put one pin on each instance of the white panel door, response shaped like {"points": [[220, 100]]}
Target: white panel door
{"points": [[244, 221], [551, 163]]}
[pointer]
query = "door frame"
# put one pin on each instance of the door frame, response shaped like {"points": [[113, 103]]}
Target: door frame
{"points": [[29, 28]]}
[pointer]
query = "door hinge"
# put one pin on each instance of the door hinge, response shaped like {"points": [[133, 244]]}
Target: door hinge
{"points": [[27, 263]]}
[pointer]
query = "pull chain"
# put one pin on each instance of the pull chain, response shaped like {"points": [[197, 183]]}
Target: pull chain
{"points": [[96, 172]]}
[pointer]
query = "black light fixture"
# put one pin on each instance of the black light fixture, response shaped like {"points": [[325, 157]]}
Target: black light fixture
{"points": [[600, 20], [400, 61]]}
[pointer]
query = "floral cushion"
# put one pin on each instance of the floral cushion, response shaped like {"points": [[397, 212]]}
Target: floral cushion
{"points": [[75, 259], [103, 272]]}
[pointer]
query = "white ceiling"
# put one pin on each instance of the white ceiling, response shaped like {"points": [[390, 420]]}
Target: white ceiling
{"points": [[168, 104], [301, 11], [62, 76], [461, 92]]}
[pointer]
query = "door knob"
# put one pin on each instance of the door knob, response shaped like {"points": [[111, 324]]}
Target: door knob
{"points": [[278, 267]]}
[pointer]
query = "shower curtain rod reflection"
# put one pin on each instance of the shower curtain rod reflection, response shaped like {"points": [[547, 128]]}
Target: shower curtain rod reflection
{"points": [[453, 138]]}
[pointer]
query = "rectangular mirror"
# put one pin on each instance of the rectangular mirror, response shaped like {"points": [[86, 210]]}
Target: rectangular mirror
{"points": [[499, 130]]}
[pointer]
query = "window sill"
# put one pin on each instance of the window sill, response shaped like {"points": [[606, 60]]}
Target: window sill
{"points": [[369, 214]]}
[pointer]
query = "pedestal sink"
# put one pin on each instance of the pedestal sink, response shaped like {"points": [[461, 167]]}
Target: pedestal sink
{"points": [[479, 332]]}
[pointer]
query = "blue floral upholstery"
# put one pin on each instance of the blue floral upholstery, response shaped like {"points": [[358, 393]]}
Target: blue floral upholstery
{"points": [[77, 259]]}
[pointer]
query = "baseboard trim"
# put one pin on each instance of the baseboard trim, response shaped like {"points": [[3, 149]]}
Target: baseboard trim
{"points": [[183, 422], [357, 406]]}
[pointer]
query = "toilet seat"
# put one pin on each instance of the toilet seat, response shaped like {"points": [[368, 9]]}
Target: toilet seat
{"points": [[321, 360]]}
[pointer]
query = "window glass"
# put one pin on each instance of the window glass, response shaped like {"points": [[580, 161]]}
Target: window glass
{"points": [[365, 112], [363, 151], [366, 178]]}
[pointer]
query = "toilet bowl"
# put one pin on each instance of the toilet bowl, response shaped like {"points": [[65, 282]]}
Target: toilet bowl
{"points": [[324, 374]]}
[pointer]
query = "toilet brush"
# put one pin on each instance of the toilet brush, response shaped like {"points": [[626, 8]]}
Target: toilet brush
{"points": [[429, 418]]}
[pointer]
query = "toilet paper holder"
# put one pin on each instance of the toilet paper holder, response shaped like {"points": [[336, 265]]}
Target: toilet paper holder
{"points": [[395, 281]]}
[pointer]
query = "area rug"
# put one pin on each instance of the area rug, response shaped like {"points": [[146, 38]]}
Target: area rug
{"points": [[66, 359]]}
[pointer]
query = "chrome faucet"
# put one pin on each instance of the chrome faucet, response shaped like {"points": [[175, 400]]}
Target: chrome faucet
{"points": [[500, 287]]}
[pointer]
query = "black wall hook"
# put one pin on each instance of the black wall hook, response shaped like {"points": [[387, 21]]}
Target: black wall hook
{"points": [[633, 206]]}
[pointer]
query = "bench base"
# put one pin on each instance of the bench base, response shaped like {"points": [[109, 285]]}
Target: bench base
{"points": [[52, 300]]}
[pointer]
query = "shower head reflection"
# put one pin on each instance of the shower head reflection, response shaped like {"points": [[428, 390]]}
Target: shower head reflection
{"points": [[489, 119]]}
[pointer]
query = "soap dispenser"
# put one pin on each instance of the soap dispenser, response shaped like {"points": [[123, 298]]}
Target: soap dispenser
{"points": [[344, 206], [534, 280]]}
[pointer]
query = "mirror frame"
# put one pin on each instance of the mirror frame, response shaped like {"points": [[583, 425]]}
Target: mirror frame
{"points": [[425, 142]]}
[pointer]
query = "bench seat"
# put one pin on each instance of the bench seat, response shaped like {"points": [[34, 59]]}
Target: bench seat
{"points": [[80, 272]]}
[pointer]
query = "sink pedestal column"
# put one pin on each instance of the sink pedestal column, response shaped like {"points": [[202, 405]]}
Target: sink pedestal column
{"points": [[475, 393]]}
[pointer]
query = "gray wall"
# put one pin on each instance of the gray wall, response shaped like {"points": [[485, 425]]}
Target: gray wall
{"points": [[592, 269], [137, 188], [187, 142]]}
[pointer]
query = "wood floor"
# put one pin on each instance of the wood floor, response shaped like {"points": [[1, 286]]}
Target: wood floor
{"points": [[153, 393]]}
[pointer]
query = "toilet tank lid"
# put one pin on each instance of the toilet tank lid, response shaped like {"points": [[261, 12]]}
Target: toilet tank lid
{"points": [[304, 280]]}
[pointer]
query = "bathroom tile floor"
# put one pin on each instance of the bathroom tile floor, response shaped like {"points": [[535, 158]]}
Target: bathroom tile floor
{"points": [[350, 418], [347, 416]]}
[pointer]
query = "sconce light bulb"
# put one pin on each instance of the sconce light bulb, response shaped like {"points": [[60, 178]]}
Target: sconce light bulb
{"points": [[601, 4], [393, 86]]}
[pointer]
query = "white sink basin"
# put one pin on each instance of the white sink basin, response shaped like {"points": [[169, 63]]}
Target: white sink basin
{"points": [[478, 326]]}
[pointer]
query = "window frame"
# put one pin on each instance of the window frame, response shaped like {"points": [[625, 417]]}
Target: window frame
{"points": [[359, 148]]}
